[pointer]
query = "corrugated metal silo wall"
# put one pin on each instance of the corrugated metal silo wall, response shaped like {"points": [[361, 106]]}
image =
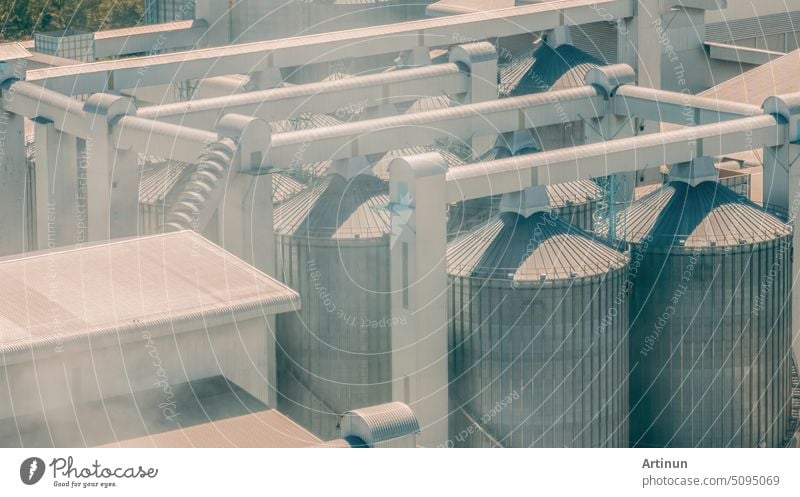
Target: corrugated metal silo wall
{"points": [[151, 218], [539, 367], [710, 342], [334, 355], [558, 136], [598, 39], [31, 236]]}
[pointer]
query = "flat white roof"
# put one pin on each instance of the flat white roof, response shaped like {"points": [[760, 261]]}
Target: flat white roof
{"points": [[777, 77], [13, 51], [158, 282]]}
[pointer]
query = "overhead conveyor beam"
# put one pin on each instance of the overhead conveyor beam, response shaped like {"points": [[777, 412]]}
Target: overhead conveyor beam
{"points": [[31, 100], [425, 128], [677, 108], [150, 137], [615, 156], [321, 48], [128, 133], [327, 97]]}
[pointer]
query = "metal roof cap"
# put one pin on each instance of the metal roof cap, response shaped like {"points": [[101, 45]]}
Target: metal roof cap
{"points": [[379, 423]]}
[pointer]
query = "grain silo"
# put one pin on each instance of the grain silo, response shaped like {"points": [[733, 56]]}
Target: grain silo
{"points": [[538, 333], [710, 326], [548, 68], [333, 248]]}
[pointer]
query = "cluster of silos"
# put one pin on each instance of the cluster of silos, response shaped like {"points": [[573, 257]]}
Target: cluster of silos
{"points": [[548, 68], [333, 248], [710, 316], [538, 333]]}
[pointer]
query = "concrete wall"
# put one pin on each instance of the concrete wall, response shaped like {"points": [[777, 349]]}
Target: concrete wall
{"points": [[61, 376]]}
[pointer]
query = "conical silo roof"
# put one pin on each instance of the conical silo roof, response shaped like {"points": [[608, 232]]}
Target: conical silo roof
{"points": [[573, 193], [284, 187], [337, 208], [708, 214], [548, 69], [538, 248]]}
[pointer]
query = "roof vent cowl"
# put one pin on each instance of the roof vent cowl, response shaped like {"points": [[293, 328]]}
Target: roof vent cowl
{"points": [[695, 171], [527, 202]]}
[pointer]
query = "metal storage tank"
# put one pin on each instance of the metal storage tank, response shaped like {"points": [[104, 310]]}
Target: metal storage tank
{"points": [[547, 69], [710, 326], [334, 354], [538, 333]]}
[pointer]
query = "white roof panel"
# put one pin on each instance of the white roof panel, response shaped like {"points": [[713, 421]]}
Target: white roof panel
{"points": [[158, 282], [13, 51]]}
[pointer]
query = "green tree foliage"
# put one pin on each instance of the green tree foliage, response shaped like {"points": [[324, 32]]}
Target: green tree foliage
{"points": [[19, 19]]}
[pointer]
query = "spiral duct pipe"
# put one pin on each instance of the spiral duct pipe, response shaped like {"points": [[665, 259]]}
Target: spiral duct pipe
{"points": [[195, 204]]}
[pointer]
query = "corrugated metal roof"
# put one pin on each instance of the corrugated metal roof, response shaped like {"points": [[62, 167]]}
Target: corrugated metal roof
{"points": [[304, 121], [680, 214], [512, 247], [551, 69], [163, 179], [432, 103], [381, 166], [337, 208], [512, 73], [268, 428], [317, 170], [561, 194], [284, 187], [159, 181], [642, 191], [753, 87], [573, 193], [126, 285], [598, 39], [753, 26], [380, 423]]}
